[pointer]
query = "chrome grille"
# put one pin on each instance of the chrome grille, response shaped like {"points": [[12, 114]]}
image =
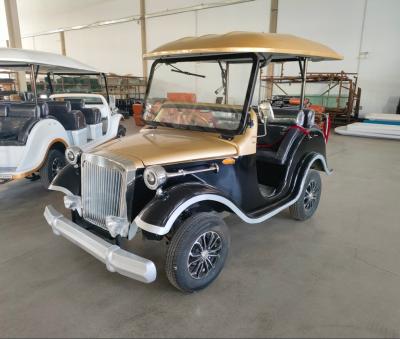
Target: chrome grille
{"points": [[103, 184]]}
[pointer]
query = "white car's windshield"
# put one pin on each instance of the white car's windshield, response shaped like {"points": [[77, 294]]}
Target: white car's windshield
{"points": [[202, 95]]}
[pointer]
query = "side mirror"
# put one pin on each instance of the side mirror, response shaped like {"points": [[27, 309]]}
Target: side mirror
{"points": [[262, 107], [265, 113], [265, 110]]}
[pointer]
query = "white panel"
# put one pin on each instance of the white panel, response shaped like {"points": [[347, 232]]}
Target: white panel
{"points": [[48, 43], [3, 26], [115, 48], [161, 30], [28, 43], [158, 6], [44, 15], [334, 23], [249, 16], [380, 71]]}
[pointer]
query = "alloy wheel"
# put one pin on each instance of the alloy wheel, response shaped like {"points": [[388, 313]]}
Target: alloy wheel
{"points": [[311, 195], [204, 254]]}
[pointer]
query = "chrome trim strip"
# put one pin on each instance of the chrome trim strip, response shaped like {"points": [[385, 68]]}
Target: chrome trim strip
{"points": [[60, 189], [115, 258], [159, 230]]}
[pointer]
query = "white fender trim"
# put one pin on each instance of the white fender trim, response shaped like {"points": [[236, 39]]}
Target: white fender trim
{"points": [[162, 230]]}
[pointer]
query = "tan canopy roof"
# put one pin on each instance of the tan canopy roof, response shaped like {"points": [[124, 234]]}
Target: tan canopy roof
{"points": [[281, 46]]}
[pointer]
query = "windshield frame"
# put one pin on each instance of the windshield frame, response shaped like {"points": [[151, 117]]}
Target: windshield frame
{"points": [[251, 58]]}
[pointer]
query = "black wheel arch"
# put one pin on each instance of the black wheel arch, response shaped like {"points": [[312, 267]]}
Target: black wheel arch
{"points": [[68, 181], [161, 208]]}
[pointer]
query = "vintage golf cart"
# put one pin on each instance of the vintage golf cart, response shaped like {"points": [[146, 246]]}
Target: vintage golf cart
{"points": [[204, 151], [35, 132]]}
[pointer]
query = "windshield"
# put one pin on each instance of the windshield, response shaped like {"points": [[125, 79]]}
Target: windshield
{"points": [[77, 83], [200, 95]]}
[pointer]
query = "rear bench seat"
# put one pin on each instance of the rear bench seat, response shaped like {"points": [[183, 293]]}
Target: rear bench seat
{"points": [[72, 120], [282, 133], [92, 117], [16, 121]]}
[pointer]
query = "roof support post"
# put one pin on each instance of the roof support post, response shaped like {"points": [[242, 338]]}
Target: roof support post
{"points": [[14, 36], [143, 37], [303, 62], [273, 24], [33, 83]]}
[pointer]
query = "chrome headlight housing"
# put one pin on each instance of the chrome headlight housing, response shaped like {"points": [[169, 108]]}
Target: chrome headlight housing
{"points": [[154, 177], [73, 155]]}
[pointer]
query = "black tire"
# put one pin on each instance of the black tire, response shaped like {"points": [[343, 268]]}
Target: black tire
{"points": [[121, 131], [183, 275], [308, 202], [54, 162]]}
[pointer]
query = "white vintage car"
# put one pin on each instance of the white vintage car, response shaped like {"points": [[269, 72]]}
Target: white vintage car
{"points": [[35, 133]]}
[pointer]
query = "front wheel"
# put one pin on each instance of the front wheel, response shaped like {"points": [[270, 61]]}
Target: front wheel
{"points": [[121, 131], [305, 207], [54, 162], [197, 252]]}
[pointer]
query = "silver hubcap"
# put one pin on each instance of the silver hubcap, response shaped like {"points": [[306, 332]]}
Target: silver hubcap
{"points": [[311, 195], [204, 254]]}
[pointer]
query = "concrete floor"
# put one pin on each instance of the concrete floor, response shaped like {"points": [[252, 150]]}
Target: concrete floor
{"points": [[336, 275]]}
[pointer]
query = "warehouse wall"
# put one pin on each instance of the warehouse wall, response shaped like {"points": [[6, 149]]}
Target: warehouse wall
{"points": [[3, 26], [341, 24], [117, 48], [369, 46], [113, 48]]}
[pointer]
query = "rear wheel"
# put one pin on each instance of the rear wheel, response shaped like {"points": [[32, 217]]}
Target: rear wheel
{"points": [[197, 252], [308, 202], [54, 162]]}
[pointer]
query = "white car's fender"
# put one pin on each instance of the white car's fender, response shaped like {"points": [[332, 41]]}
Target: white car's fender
{"points": [[45, 134]]}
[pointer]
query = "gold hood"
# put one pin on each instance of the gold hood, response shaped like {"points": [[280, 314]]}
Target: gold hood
{"points": [[166, 146]]}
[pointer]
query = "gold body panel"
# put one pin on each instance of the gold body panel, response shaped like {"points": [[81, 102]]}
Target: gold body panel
{"points": [[163, 145], [280, 45]]}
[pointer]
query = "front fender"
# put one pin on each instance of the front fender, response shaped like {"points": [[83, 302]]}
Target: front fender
{"points": [[159, 215], [68, 181]]}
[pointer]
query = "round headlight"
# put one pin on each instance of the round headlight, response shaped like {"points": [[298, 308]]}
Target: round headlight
{"points": [[154, 176], [73, 154]]}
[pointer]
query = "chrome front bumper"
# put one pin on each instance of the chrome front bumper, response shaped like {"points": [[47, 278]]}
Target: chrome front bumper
{"points": [[115, 258]]}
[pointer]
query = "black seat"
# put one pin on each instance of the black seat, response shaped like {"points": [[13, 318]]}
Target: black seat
{"points": [[17, 121], [3, 110], [287, 117], [76, 103], [70, 119], [279, 154], [92, 115], [44, 109], [292, 116]]}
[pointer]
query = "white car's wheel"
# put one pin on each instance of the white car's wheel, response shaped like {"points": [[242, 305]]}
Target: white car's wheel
{"points": [[54, 162]]}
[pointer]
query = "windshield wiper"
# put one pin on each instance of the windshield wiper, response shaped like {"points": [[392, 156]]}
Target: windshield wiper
{"points": [[177, 70]]}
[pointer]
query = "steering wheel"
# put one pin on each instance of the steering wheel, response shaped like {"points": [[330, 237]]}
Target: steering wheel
{"points": [[201, 121], [201, 118]]}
